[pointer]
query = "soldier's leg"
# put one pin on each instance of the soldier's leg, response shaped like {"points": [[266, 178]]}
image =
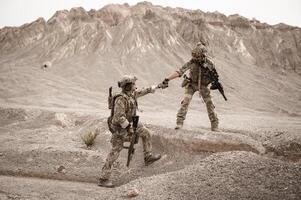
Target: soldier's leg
{"points": [[117, 146], [181, 115], [205, 93], [145, 135]]}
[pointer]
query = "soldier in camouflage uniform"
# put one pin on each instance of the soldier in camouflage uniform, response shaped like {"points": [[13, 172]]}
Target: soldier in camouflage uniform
{"points": [[198, 74], [125, 107]]}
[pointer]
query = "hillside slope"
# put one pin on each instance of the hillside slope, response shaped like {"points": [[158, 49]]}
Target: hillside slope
{"points": [[259, 64]]}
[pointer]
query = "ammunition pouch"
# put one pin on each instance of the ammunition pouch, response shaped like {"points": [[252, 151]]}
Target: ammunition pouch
{"points": [[117, 130], [186, 81], [113, 128]]}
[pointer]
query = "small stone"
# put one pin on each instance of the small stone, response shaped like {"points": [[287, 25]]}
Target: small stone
{"points": [[133, 192], [61, 169]]}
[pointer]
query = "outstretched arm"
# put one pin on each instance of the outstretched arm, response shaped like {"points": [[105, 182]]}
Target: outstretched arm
{"points": [[145, 91], [176, 74], [173, 76]]}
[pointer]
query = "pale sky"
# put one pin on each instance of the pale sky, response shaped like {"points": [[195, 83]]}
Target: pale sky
{"points": [[18, 12]]}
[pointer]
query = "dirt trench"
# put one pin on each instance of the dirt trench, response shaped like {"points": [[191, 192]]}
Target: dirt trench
{"points": [[66, 158], [179, 149]]}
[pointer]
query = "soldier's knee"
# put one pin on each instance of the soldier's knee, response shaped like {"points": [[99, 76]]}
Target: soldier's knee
{"points": [[212, 115], [205, 93], [144, 132], [207, 100], [114, 152], [210, 107], [116, 148], [186, 100]]}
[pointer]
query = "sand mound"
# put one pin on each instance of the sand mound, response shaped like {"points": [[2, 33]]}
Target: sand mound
{"points": [[232, 175], [11, 115]]}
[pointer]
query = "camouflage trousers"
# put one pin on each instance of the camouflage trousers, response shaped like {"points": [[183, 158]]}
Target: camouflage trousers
{"points": [[205, 94], [117, 141]]}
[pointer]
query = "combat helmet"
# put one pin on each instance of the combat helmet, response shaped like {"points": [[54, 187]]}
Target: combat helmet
{"points": [[126, 79], [199, 50]]}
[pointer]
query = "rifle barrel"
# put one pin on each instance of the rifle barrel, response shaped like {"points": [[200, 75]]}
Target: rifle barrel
{"points": [[134, 140]]}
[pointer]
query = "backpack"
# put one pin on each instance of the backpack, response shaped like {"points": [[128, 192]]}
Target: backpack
{"points": [[111, 105]]}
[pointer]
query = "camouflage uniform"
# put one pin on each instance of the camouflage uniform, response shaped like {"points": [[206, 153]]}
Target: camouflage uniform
{"points": [[199, 82], [125, 108]]}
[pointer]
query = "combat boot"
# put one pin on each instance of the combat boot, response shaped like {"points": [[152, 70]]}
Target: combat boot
{"points": [[151, 158], [105, 183], [178, 126], [214, 126]]}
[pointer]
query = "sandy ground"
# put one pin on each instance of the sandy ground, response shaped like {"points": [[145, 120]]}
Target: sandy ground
{"points": [[232, 175], [42, 156]]}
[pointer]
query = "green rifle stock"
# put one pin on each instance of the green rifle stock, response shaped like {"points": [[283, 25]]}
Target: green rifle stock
{"points": [[134, 140]]}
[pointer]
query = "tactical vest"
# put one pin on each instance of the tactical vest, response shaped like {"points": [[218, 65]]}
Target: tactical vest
{"points": [[194, 74], [131, 106]]}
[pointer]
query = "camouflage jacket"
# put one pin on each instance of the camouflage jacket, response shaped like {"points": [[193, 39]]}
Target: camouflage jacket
{"points": [[198, 70], [126, 106]]}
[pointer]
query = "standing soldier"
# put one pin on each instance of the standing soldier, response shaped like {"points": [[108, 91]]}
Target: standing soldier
{"points": [[200, 66], [120, 124]]}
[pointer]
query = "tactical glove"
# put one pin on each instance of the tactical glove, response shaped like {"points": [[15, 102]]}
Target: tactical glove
{"points": [[164, 84], [129, 129]]}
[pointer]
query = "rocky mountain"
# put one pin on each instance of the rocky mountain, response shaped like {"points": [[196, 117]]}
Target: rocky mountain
{"points": [[259, 64]]}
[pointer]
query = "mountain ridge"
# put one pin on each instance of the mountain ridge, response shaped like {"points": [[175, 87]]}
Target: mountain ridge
{"points": [[151, 41], [183, 25]]}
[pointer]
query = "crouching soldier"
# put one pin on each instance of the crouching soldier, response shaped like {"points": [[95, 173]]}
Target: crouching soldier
{"points": [[124, 106]]}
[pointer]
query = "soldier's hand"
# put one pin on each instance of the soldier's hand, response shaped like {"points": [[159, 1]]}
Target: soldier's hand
{"points": [[164, 84], [214, 86], [129, 129], [153, 88]]}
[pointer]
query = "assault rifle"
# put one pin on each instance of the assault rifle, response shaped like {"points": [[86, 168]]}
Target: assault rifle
{"points": [[134, 140], [215, 84]]}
